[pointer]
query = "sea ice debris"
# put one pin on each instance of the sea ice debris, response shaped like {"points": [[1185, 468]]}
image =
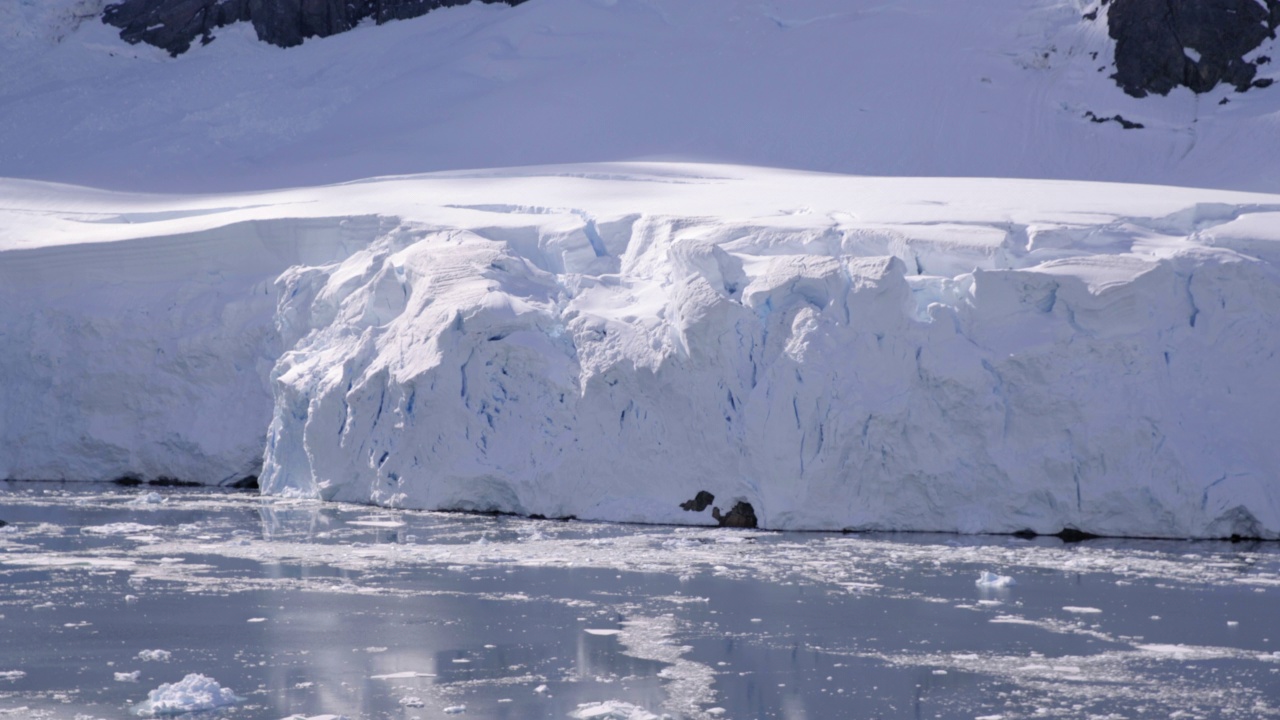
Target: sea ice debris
{"points": [[989, 579], [193, 693], [612, 710]]}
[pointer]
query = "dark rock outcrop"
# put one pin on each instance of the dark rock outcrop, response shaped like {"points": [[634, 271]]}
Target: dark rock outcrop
{"points": [[1073, 535], [1162, 44], [741, 516], [175, 24], [699, 502], [1119, 120], [248, 482]]}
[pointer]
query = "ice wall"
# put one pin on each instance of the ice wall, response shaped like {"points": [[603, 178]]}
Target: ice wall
{"points": [[1115, 375], [606, 341], [148, 357]]}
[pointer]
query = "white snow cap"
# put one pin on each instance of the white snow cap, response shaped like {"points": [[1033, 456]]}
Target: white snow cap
{"points": [[193, 693]]}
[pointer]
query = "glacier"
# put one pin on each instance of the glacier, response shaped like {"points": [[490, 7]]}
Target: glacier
{"points": [[606, 340]]}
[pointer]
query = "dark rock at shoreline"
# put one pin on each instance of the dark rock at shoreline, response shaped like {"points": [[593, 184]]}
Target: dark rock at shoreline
{"points": [[175, 24], [1072, 535], [166, 481], [1163, 44], [248, 482], [741, 516], [699, 502]]}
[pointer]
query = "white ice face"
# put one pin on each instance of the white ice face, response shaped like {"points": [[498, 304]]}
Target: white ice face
{"points": [[947, 355], [607, 341]]}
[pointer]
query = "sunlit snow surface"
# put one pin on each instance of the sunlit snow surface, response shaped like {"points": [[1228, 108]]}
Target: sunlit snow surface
{"points": [[307, 610], [1001, 88], [605, 341]]}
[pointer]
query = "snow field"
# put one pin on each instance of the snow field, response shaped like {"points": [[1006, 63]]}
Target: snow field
{"points": [[910, 88]]}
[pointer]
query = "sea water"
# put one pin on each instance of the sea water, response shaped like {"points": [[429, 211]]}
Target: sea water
{"points": [[110, 596]]}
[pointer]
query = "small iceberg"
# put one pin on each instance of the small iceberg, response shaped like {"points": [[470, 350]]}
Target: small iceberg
{"points": [[192, 693], [989, 579]]}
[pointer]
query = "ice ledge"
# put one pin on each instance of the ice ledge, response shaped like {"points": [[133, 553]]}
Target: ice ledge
{"points": [[606, 341]]}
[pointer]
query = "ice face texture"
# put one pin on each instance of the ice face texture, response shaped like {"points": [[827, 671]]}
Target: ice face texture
{"points": [[192, 693], [606, 341]]}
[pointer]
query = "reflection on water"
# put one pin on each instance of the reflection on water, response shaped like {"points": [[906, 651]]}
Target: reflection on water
{"points": [[311, 609]]}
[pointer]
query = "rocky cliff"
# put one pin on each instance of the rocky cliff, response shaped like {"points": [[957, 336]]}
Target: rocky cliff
{"points": [[1163, 44], [175, 24]]}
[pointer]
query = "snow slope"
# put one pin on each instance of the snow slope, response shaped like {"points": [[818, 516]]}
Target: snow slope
{"points": [[606, 340], [912, 87]]}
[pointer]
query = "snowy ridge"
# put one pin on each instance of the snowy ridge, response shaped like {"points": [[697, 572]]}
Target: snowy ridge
{"points": [[1005, 88], [605, 341]]}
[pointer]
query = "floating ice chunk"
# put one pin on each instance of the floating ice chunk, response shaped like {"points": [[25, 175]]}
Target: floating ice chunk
{"points": [[379, 522], [1232, 623], [151, 498], [193, 693], [412, 701], [155, 655], [128, 676], [401, 675], [1081, 610], [612, 710], [989, 579], [455, 709], [12, 674], [595, 631], [540, 689], [256, 620], [316, 717], [121, 528]]}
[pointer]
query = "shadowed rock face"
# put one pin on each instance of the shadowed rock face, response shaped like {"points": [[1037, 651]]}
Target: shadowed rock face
{"points": [[1161, 44], [175, 24]]}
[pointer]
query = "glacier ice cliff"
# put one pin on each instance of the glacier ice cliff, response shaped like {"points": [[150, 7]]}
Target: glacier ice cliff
{"points": [[607, 341]]}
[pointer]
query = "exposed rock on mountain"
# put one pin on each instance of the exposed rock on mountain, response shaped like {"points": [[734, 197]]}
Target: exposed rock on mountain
{"points": [[175, 24], [1161, 44]]}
